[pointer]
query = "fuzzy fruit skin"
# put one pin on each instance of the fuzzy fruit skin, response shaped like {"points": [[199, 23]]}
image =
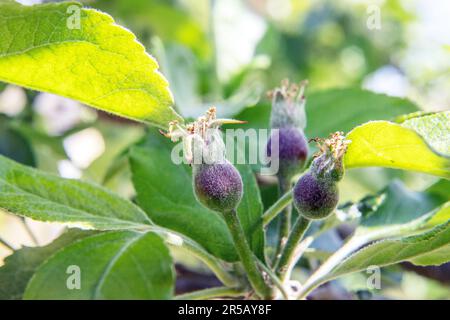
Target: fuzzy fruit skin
{"points": [[292, 151], [315, 198], [218, 186]]}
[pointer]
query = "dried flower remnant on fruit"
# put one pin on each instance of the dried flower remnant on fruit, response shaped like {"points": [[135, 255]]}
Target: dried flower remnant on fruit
{"points": [[316, 194], [328, 161], [288, 105], [217, 183], [202, 140]]}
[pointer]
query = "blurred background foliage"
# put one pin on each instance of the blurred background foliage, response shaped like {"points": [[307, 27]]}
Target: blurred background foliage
{"points": [[228, 53]]}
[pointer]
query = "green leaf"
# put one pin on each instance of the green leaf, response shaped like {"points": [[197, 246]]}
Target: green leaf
{"points": [[397, 215], [442, 216], [387, 144], [332, 110], [399, 206], [441, 255], [166, 21], [336, 110], [342, 109], [21, 265], [440, 189], [39, 140], [392, 251], [14, 145], [397, 211], [98, 63], [433, 258], [112, 265], [164, 191], [37, 195], [434, 128]]}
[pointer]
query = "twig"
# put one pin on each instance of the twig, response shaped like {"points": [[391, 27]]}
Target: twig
{"points": [[277, 207], [276, 281], [298, 253], [287, 255], [246, 255], [285, 220]]}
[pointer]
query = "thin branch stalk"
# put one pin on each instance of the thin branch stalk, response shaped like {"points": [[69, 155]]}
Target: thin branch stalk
{"points": [[288, 253], [276, 281], [246, 256], [285, 219], [277, 207]]}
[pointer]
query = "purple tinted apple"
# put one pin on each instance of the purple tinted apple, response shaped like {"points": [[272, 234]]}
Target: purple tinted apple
{"points": [[315, 198], [218, 186], [292, 151]]}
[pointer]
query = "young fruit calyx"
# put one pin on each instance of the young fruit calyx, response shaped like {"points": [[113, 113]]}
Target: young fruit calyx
{"points": [[316, 194], [217, 183], [202, 139], [288, 105], [328, 161], [287, 142]]}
